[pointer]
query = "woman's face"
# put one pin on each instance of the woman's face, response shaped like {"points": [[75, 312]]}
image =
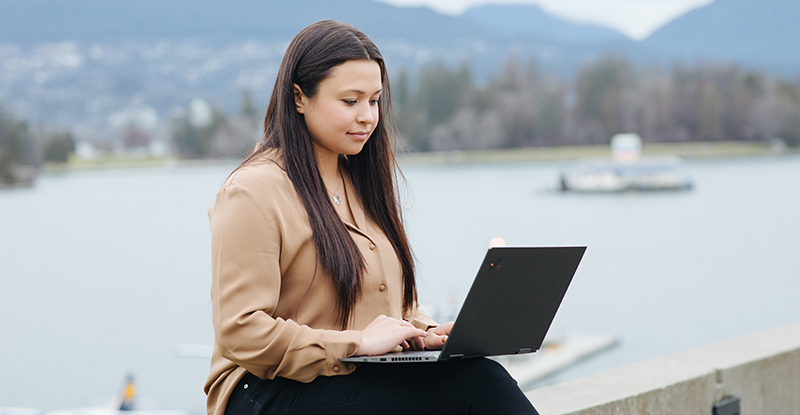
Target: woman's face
{"points": [[344, 112]]}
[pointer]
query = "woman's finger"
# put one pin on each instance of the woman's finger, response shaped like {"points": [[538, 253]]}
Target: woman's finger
{"points": [[443, 329], [421, 342], [385, 334]]}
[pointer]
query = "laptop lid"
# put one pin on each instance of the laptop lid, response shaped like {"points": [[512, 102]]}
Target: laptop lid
{"points": [[509, 308], [512, 301]]}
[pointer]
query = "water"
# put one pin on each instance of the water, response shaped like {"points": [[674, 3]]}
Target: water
{"points": [[104, 273]]}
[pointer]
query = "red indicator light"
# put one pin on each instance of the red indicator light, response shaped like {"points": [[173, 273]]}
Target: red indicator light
{"points": [[492, 264]]}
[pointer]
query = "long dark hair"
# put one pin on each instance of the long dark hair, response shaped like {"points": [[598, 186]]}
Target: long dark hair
{"points": [[308, 61]]}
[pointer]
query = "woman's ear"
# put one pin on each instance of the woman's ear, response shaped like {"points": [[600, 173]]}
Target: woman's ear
{"points": [[300, 99]]}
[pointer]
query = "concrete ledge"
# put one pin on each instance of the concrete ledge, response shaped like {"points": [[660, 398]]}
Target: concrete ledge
{"points": [[762, 369]]}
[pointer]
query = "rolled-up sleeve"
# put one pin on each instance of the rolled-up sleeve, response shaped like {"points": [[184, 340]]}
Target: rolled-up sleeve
{"points": [[246, 287], [420, 319]]}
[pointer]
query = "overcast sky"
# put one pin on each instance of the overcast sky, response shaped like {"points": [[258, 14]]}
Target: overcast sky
{"points": [[635, 18]]}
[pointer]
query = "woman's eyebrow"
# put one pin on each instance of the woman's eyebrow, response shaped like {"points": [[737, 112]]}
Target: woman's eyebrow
{"points": [[360, 92]]}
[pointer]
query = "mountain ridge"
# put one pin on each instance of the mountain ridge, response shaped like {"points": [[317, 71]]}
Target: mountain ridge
{"points": [[531, 20], [745, 31], [92, 20]]}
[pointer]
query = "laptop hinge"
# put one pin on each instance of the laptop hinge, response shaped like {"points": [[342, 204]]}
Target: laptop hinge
{"points": [[524, 350], [456, 356]]}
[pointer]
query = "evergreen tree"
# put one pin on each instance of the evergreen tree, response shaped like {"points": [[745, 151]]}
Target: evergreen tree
{"points": [[58, 147], [16, 147]]}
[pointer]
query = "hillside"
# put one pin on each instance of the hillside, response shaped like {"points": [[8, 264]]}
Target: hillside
{"points": [[529, 20], [761, 32], [99, 63], [32, 21]]}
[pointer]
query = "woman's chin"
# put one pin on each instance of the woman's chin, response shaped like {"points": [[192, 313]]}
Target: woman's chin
{"points": [[353, 150]]}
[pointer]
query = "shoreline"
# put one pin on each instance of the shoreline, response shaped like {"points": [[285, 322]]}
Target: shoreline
{"points": [[686, 151]]}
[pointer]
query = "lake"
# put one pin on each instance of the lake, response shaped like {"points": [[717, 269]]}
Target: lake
{"points": [[105, 272]]}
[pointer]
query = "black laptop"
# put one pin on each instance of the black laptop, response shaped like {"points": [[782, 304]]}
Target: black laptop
{"points": [[509, 308]]}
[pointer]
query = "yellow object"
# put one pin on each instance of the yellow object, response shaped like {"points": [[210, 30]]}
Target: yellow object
{"points": [[128, 394]]}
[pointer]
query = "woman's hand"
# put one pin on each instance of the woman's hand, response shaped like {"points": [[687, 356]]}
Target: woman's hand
{"points": [[385, 334], [437, 336]]}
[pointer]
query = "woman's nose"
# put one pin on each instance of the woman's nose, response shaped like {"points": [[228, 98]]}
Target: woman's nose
{"points": [[367, 114]]}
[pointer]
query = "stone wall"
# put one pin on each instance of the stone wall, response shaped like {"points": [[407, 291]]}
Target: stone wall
{"points": [[762, 370]]}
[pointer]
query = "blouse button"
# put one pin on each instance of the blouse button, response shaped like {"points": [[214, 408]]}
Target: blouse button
{"points": [[336, 369], [371, 247], [382, 288]]}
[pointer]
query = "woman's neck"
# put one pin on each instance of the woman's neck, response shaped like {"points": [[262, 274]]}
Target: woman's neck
{"points": [[328, 165]]}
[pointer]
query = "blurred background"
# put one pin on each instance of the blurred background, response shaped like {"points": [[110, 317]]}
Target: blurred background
{"points": [[120, 120]]}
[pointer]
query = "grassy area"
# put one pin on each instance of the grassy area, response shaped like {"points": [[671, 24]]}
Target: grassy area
{"points": [[110, 163], [517, 155], [114, 163], [546, 154], [505, 155], [725, 149]]}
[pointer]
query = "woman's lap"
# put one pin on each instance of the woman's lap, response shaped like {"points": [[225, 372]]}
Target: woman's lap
{"points": [[472, 386]]}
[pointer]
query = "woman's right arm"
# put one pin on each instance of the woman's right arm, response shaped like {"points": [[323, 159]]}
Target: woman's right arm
{"points": [[246, 284]]}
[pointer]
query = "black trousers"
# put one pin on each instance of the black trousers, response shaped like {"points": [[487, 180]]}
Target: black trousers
{"points": [[470, 386]]}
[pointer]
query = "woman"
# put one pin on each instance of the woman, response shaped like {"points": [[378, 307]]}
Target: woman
{"points": [[311, 262]]}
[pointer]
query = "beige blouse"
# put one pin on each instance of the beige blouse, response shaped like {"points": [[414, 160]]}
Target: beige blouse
{"points": [[274, 308]]}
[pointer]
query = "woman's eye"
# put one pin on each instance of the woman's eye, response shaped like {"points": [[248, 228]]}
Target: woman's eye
{"points": [[375, 101], [348, 102]]}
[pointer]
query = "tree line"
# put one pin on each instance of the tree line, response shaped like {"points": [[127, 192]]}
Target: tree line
{"points": [[22, 150], [201, 131], [442, 108], [522, 106]]}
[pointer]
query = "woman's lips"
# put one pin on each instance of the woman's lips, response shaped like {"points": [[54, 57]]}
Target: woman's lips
{"points": [[360, 135]]}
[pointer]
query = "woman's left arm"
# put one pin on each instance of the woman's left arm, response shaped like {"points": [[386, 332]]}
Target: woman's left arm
{"points": [[420, 319], [437, 334]]}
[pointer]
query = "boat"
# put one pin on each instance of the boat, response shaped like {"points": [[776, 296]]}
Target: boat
{"points": [[124, 404], [114, 411], [626, 171], [10, 410], [17, 176]]}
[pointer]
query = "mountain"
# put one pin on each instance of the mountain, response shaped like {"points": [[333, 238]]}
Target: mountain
{"points": [[529, 20], [763, 32], [101, 63], [414, 35], [32, 21]]}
